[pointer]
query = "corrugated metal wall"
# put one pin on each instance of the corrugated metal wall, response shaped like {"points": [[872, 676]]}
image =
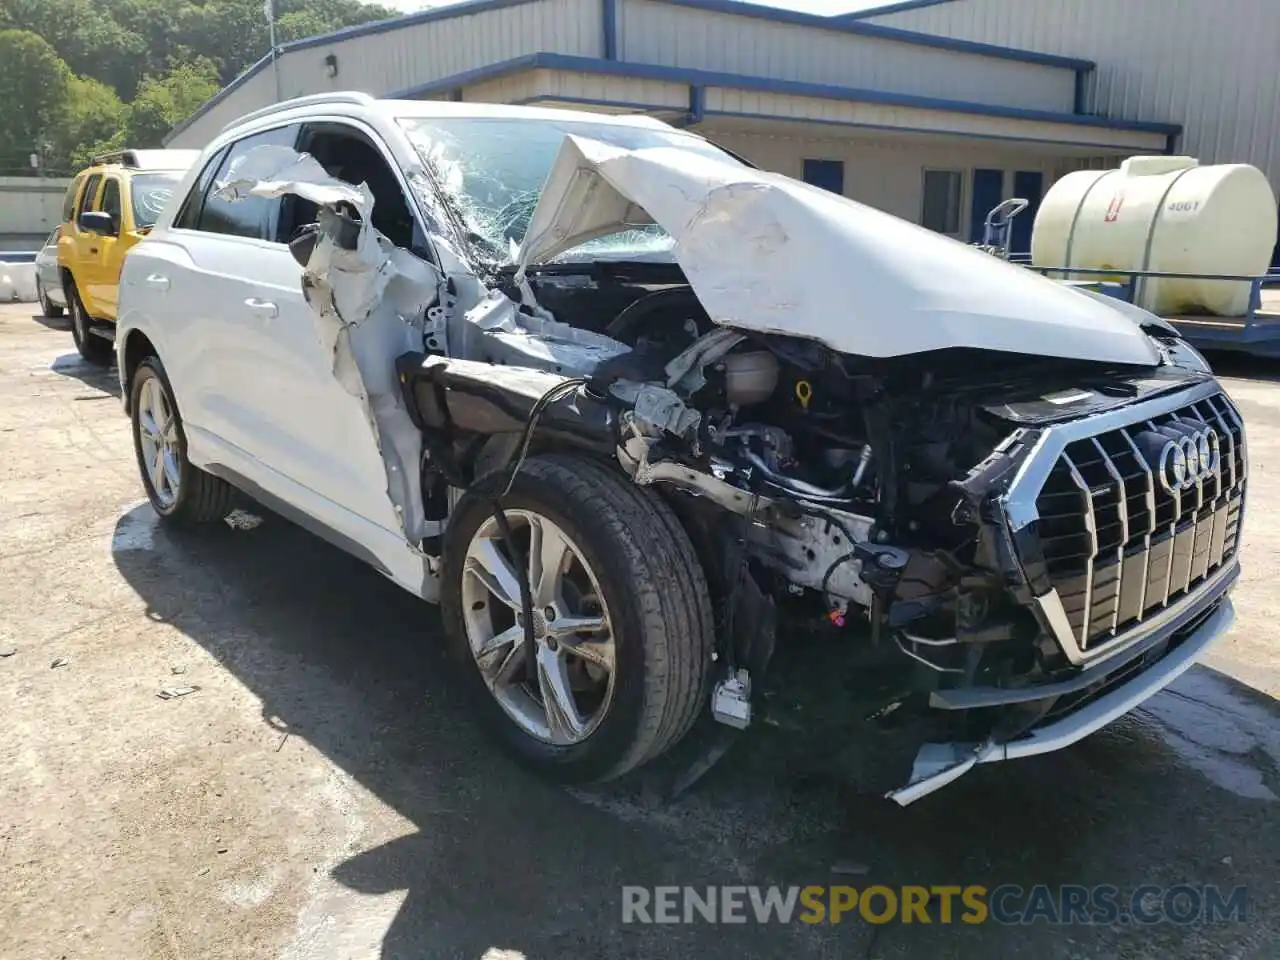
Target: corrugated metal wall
{"points": [[395, 59], [1211, 65], [871, 115], [685, 37], [392, 60]]}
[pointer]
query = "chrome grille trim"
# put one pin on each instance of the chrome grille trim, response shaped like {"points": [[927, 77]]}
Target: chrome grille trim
{"points": [[1104, 471]]}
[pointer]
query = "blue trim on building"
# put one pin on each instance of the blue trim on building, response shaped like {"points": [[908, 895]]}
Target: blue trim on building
{"points": [[544, 99], [529, 61], [221, 95], [609, 17], [1079, 98], [841, 25], [707, 78], [778, 118], [901, 7], [697, 104]]}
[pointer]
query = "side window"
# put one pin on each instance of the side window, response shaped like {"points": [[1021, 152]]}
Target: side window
{"points": [[69, 199], [350, 155], [188, 217], [257, 216], [111, 200], [90, 195]]}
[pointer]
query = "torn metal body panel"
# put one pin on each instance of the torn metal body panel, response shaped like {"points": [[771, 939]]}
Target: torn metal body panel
{"points": [[369, 299]]}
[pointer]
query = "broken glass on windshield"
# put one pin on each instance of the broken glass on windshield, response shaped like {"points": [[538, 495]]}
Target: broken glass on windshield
{"points": [[493, 169]]}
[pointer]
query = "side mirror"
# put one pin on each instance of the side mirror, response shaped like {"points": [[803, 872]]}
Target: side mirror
{"points": [[94, 221]]}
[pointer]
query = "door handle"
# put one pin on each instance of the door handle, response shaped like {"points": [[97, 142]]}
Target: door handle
{"points": [[158, 282], [93, 249], [262, 308]]}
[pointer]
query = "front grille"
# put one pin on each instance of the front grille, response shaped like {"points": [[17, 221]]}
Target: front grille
{"points": [[1116, 544]]}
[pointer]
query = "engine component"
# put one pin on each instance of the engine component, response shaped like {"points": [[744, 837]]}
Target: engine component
{"points": [[817, 550], [498, 331], [731, 700], [750, 377], [656, 410]]}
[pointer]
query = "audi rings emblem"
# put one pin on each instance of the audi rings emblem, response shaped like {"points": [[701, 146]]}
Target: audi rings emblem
{"points": [[1189, 460]]}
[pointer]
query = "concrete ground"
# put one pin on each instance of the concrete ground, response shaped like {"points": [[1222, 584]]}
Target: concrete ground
{"points": [[323, 793]]}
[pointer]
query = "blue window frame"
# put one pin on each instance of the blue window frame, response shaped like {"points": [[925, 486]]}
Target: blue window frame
{"points": [[827, 174]]}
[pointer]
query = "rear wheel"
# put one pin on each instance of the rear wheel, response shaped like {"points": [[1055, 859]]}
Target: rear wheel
{"points": [[622, 628], [97, 350], [47, 307], [179, 491]]}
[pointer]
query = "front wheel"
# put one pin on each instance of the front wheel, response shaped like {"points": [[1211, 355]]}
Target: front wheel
{"points": [[622, 631], [179, 491], [95, 349], [47, 307]]}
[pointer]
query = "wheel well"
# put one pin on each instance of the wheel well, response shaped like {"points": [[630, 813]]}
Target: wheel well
{"points": [[136, 349]]}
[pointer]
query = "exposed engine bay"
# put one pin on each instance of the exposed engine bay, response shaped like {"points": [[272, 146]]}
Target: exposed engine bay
{"points": [[875, 495]]}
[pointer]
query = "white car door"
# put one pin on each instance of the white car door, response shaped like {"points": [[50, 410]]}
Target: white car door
{"points": [[255, 375]]}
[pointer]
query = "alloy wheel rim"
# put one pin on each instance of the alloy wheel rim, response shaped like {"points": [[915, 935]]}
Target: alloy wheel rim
{"points": [[158, 441], [561, 691]]}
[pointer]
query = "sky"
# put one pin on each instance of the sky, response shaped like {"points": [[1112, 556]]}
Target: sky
{"points": [[821, 7]]}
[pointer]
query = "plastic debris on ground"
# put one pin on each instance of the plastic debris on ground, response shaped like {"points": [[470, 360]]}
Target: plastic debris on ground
{"points": [[242, 520], [172, 693]]}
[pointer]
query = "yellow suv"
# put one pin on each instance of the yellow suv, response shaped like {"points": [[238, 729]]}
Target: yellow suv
{"points": [[108, 208]]}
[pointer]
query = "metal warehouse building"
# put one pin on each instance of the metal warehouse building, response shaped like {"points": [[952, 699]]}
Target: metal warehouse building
{"points": [[934, 110]]}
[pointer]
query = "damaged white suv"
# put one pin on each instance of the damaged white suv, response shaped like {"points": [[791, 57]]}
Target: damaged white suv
{"points": [[626, 407]]}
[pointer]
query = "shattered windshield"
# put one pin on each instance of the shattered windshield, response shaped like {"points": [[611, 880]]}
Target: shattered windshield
{"points": [[494, 170]]}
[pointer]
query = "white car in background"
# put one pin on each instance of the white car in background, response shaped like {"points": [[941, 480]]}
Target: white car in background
{"points": [[49, 293], [631, 411]]}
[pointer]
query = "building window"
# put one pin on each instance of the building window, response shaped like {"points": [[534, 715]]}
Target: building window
{"points": [[941, 208], [827, 174]]}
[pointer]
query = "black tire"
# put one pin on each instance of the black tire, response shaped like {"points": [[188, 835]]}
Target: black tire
{"points": [[201, 497], [654, 588], [47, 308], [96, 350]]}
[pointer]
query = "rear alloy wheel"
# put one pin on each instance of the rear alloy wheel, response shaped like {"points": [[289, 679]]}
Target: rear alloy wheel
{"points": [[179, 491], [617, 667], [95, 349], [47, 308]]}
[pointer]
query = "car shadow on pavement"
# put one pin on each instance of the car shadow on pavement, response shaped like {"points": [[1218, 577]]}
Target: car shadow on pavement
{"points": [[345, 659], [53, 323], [103, 379]]}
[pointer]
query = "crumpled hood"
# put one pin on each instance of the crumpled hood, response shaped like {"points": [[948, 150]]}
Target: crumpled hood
{"points": [[767, 253]]}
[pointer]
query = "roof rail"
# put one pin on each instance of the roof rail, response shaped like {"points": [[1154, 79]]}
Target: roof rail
{"points": [[126, 158], [314, 99]]}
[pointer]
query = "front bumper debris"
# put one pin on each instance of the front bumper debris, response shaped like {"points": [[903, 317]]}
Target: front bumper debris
{"points": [[938, 764]]}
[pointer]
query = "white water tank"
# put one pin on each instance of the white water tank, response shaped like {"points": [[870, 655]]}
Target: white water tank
{"points": [[1167, 215]]}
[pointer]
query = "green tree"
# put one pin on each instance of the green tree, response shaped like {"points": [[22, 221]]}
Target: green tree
{"points": [[92, 121], [85, 36], [163, 101], [34, 83], [145, 50]]}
